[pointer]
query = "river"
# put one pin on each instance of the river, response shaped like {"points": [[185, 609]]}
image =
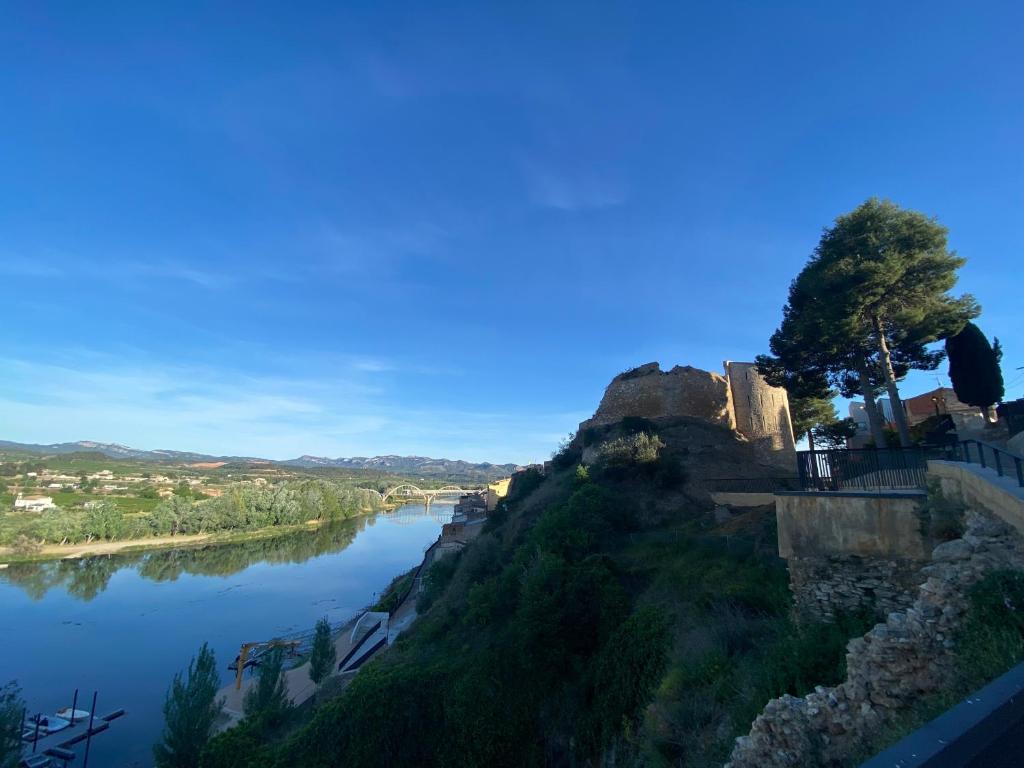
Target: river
{"points": [[123, 625]]}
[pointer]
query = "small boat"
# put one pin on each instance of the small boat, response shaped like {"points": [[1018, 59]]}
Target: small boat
{"points": [[78, 714], [47, 724]]}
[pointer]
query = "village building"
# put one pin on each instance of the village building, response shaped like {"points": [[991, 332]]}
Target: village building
{"points": [[33, 503]]}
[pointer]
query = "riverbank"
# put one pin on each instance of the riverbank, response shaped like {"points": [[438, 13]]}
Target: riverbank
{"points": [[127, 546]]}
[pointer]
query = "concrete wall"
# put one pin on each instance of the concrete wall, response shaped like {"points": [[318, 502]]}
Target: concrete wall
{"points": [[864, 524], [982, 488], [847, 551]]}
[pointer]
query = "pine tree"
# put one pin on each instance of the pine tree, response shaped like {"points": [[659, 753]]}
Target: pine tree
{"points": [[268, 698], [11, 709], [872, 296], [190, 711], [974, 368], [323, 656]]}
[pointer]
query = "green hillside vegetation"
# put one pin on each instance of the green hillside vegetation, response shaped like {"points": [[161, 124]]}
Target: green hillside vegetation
{"points": [[585, 624]]}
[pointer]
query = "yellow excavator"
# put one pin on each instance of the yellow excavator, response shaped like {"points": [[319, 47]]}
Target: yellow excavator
{"points": [[247, 648]]}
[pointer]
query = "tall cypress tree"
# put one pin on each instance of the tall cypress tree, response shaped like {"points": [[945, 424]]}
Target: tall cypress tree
{"points": [[974, 368]]}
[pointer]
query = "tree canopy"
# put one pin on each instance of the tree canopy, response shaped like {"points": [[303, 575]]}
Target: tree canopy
{"points": [[323, 655], [872, 296], [974, 367], [190, 711]]}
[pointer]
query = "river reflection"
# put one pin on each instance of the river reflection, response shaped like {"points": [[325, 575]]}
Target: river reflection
{"points": [[124, 624]]}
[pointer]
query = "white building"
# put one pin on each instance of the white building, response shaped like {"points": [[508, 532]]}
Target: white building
{"points": [[33, 503]]}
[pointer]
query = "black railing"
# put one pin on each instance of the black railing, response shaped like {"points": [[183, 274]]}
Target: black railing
{"points": [[989, 456], [866, 469]]}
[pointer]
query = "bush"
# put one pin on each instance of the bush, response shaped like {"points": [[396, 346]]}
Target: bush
{"points": [[436, 580], [631, 425], [992, 638], [619, 456], [624, 675], [567, 455], [945, 516]]}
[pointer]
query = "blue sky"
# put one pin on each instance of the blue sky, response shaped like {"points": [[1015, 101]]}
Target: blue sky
{"points": [[441, 228]]}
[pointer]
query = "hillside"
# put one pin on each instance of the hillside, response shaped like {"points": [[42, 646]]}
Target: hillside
{"points": [[601, 618], [413, 466]]}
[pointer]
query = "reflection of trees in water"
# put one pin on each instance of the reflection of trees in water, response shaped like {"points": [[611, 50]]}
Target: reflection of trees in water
{"points": [[86, 577]]}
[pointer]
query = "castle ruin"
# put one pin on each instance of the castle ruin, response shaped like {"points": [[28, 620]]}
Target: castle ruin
{"points": [[741, 400]]}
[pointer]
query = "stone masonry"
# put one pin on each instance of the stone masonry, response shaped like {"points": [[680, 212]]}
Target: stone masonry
{"points": [[741, 400], [909, 656], [822, 586]]}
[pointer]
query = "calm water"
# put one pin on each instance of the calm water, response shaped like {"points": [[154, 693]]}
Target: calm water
{"points": [[124, 624]]}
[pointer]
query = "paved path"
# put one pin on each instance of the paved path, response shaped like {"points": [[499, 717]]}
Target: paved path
{"points": [[300, 687]]}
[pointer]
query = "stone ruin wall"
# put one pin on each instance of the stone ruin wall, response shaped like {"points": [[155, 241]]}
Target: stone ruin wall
{"points": [[741, 400], [652, 393], [823, 586], [910, 655], [760, 410]]}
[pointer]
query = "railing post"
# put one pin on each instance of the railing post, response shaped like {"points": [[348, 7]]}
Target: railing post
{"points": [[981, 454], [1020, 471], [999, 463]]}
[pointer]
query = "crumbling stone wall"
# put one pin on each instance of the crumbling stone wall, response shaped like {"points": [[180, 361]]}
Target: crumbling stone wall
{"points": [[891, 667], [824, 586], [760, 411], [651, 393]]}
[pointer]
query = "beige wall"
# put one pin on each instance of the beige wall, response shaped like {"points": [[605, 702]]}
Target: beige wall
{"points": [[980, 488], [761, 411], [865, 525]]}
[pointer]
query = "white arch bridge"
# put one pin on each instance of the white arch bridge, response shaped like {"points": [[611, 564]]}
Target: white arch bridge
{"points": [[410, 491]]}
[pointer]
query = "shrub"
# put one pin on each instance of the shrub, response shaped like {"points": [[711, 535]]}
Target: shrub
{"points": [[944, 516], [626, 453], [631, 425], [567, 455], [623, 678], [436, 580], [23, 545], [992, 638]]}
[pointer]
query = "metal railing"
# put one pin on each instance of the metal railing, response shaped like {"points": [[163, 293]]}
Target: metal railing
{"points": [[865, 469], [989, 456]]}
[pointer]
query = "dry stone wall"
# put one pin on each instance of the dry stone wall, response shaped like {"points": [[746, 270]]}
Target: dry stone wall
{"points": [[909, 656], [823, 586]]}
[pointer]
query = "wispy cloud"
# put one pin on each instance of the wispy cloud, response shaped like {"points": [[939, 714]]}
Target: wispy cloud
{"points": [[218, 411], [19, 266], [125, 271], [574, 191]]}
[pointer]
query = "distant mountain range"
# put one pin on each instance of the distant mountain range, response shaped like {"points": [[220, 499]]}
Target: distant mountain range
{"points": [[400, 465]]}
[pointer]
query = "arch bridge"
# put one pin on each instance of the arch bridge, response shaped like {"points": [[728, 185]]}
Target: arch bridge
{"points": [[410, 491]]}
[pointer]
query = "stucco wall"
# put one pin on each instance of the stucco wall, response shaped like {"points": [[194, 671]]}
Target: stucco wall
{"points": [[865, 524], [980, 488], [847, 551]]}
